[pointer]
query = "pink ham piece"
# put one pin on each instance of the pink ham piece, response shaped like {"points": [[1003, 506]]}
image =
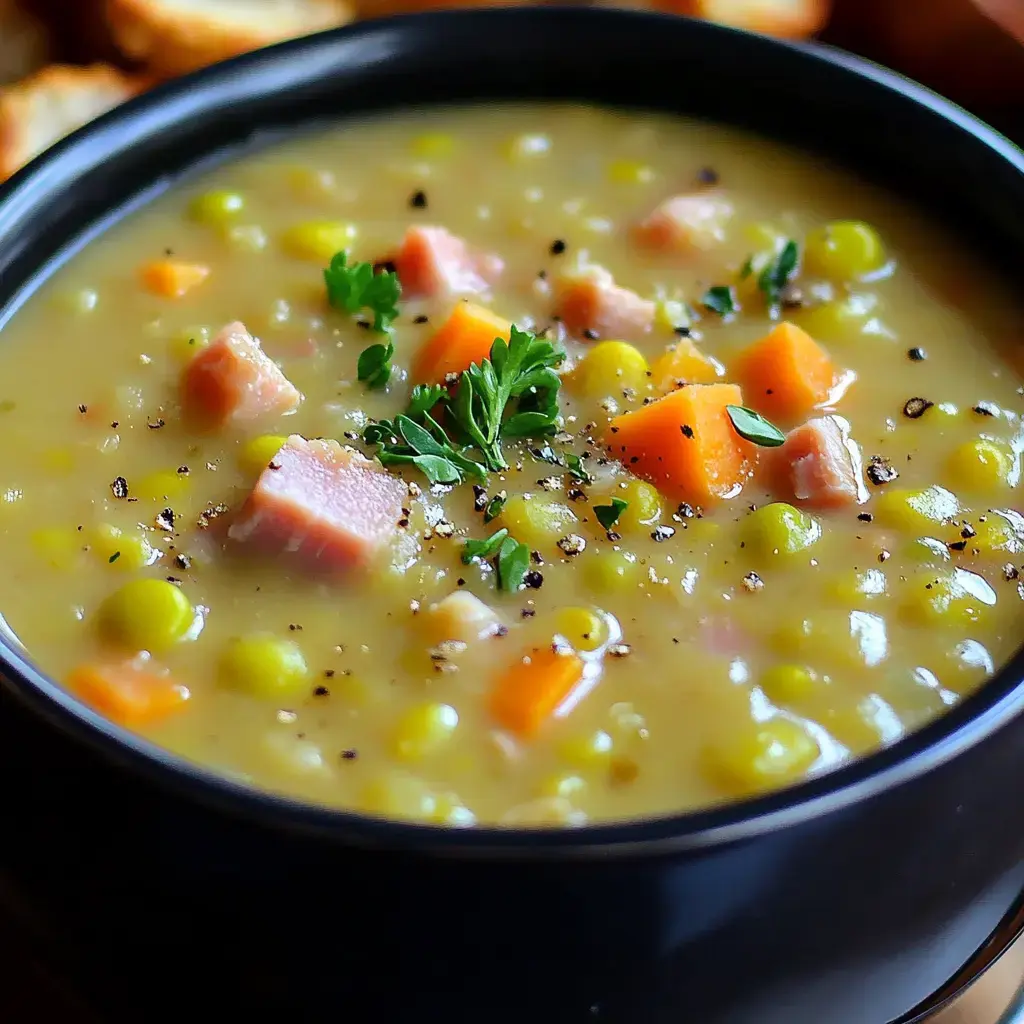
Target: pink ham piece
{"points": [[434, 263], [820, 465], [591, 304], [233, 380], [325, 506], [695, 221]]}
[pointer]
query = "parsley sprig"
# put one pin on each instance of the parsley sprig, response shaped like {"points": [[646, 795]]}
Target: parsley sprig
{"points": [[778, 273], [374, 366], [511, 394], [511, 559], [352, 287]]}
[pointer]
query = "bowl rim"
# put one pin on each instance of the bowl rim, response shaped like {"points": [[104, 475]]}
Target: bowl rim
{"points": [[991, 707]]}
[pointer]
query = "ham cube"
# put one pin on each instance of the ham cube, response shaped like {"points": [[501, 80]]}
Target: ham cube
{"points": [[434, 263], [696, 221], [324, 506], [591, 304], [820, 465], [234, 381]]}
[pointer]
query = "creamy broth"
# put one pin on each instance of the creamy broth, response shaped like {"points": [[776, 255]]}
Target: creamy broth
{"points": [[713, 663]]}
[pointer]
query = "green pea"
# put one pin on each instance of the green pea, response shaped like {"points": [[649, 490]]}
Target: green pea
{"points": [[779, 529], [264, 665], [218, 207], [146, 615]]}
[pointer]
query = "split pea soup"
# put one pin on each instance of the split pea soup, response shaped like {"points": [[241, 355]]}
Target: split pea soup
{"points": [[528, 465]]}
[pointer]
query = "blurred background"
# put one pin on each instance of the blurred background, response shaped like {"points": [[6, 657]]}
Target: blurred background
{"points": [[63, 62]]}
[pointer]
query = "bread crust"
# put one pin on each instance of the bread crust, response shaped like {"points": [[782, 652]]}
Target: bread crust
{"points": [[41, 109], [173, 37]]}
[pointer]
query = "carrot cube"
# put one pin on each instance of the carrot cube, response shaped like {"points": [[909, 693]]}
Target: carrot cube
{"points": [[684, 363], [786, 374], [532, 690], [685, 443], [127, 694], [173, 280], [464, 338]]}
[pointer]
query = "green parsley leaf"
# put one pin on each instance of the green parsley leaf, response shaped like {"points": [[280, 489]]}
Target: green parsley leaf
{"points": [[426, 447], [747, 269], [473, 550], [752, 426], [577, 470], [423, 399], [522, 370], [374, 366], [511, 558], [720, 299], [777, 274], [513, 563], [355, 287], [608, 515], [493, 508]]}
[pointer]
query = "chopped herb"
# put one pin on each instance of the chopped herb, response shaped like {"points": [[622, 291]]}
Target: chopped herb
{"points": [[520, 369], [114, 557], [608, 515], [511, 559], [424, 397], [428, 449], [493, 508], [915, 408], [374, 367], [776, 275], [720, 299], [747, 269], [752, 426], [356, 287], [574, 463]]}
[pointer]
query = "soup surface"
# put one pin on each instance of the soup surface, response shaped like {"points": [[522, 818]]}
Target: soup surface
{"points": [[734, 504]]}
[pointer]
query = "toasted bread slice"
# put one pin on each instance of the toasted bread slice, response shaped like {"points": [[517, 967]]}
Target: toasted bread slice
{"points": [[173, 37], [788, 19], [38, 111], [24, 42]]}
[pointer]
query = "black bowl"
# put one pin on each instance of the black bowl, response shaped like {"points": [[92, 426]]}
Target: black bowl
{"points": [[849, 899]]}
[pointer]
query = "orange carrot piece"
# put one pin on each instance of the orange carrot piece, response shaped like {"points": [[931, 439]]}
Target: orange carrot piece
{"points": [[465, 337], [684, 363], [532, 690], [685, 443], [786, 374], [127, 694], [173, 279]]}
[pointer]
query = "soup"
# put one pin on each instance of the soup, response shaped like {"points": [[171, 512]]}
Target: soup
{"points": [[728, 503]]}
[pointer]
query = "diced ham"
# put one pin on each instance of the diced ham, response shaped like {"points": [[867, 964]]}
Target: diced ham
{"points": [[591, 304], [820, 465], [325, 506], [695, 221], [434, 263], [234, 381], [462, 616]]}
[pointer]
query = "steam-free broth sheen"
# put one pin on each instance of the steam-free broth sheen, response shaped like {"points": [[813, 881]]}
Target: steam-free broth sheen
{"points": [[681, 610]]}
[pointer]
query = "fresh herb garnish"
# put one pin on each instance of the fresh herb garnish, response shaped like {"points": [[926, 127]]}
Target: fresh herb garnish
{"points": [[720, 299], [511, 559], [778, 272], [577, 470], [425, 447], [424, 397], [752, 426], [355, 287], [493, 508], [747, 269], [374, 366], [608, 515], [521, 369]]}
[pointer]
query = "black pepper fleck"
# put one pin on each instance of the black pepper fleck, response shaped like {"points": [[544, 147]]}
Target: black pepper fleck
{"points": [[865, 517], [418, 200], [119, 487], [590, 334], [686, 430], [917, 354], [881, 471], [533, 580], [349, 755], [421, 319], [708, 176], [915, 408], [557, 247], [321, 691]]}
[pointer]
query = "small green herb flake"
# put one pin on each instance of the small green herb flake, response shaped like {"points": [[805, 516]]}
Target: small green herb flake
{"points": [[608, 515], [354, 287], [114, 557], [423, 399], [374, 367], [513, 563], [473, 550], [778, 273], [426, 446], [747, 269], [752, 426], [720, 299], [493, 508], [574, 464]]}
